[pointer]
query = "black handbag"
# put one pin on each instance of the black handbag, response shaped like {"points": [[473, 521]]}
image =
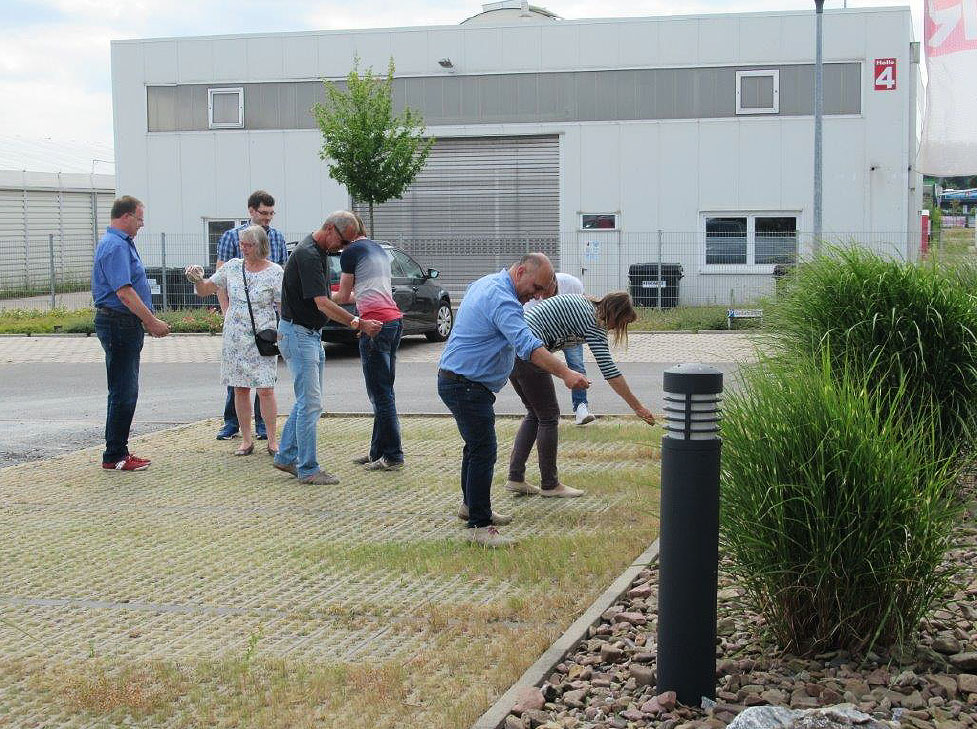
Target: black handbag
{"points": [[267, 339]]}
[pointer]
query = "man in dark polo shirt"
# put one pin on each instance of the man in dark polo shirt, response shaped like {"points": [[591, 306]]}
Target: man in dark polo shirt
{"points": [[305, 307], [123, 307]]}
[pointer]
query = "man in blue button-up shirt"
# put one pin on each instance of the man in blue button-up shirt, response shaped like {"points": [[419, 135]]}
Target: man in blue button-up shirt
{"points": [[261, 209], [123, 307], [489, 333]]}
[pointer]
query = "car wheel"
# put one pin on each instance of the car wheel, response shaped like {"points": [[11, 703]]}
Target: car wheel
{"points": [[445, 320]]}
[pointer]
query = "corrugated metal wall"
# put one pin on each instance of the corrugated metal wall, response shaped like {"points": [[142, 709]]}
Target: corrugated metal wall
{"points": [[487, 199], [76, 219]]}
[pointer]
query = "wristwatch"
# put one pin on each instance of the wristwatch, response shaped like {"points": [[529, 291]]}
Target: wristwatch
{"points": [[354, 323]]}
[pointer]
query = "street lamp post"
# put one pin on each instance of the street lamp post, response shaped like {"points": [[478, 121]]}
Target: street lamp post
{"points": [[818, 114]]}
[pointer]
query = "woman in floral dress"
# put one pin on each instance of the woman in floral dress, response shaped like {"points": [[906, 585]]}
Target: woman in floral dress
{"points": [[242, 366]]}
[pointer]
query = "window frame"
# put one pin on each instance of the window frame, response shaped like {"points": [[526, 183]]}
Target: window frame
{"points": [[755, 73], [211, 92], [615, 215], [750, 267], [212, 248]]}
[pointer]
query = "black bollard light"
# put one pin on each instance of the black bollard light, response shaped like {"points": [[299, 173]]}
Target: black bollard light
{"points": [[688, 556]]}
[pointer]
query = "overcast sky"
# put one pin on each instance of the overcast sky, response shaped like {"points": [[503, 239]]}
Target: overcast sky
{"points": [[54, 66]]}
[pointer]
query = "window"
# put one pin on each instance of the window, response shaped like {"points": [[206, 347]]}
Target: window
{"points": [[598, 221], [757, 92], [215, 229], [751, 239], [407, 265], [225, 108]]}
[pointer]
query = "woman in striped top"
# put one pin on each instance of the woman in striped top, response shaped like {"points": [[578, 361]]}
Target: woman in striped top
{"points": [[563, 321]]}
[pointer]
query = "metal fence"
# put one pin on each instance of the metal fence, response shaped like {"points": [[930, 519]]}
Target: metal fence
{"points": [[660, 268]]}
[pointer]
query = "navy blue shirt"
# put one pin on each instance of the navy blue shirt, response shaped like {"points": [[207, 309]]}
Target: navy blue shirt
{"points": [[489, 333], [117, 264]]}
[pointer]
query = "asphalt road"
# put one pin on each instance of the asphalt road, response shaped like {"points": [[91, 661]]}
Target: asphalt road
{"points": [[51, 408]]}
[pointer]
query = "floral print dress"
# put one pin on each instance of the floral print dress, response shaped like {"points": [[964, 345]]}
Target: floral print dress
{"points": [[241, 365]]}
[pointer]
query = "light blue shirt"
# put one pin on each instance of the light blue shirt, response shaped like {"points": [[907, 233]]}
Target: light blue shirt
{"points": [[489, 333]]}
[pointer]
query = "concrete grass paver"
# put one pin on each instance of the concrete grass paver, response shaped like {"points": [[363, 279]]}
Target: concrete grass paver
{"points": [[210, 557]]}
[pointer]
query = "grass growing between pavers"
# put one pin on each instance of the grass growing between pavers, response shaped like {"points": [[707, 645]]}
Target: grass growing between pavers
{"points": [[215, 591]]}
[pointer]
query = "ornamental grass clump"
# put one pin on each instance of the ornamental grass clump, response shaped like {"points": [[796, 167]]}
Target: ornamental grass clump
{"points": [[836, 513], [910, 325]]}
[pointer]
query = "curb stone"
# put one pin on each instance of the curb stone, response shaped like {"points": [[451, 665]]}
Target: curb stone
{"points": [[494, 717]]}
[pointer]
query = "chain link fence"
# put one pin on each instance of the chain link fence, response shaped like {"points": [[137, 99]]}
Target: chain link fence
{"points": [[660, 269]]}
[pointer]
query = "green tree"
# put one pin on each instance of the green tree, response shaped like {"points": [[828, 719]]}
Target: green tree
{"points": [[373, 152]]}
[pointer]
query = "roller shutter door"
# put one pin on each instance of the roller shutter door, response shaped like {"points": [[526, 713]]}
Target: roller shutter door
{"points": [[478, 204]]}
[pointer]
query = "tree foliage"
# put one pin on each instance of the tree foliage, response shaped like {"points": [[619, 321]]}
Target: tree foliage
{"points": [[374, 153]]}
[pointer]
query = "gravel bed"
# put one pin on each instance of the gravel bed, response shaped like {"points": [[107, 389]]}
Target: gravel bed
{"points": [[609, 679]]}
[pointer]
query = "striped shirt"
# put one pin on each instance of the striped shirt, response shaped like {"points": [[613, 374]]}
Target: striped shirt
{"points": [[568, 320]]}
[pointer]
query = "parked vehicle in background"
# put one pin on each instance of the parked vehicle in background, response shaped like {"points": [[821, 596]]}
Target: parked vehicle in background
{"points": [[425, 304]]}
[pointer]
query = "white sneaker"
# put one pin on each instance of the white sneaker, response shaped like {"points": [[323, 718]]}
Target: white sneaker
{"points": [[583, 414]]}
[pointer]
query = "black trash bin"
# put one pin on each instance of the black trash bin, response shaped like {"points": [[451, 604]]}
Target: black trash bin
{"points": [[654, 284]]}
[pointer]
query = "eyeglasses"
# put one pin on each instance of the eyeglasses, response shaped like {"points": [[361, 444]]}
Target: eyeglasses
{"points": [[137, 217]]}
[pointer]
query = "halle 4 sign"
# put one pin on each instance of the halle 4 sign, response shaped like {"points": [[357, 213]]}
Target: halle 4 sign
{"points": [[885, 74]]}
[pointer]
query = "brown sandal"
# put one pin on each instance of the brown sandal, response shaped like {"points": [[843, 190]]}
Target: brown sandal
{"points": [[242, 451]]}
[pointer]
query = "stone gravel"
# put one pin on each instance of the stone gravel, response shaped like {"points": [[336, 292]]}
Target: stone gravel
{"points": [[609, 680]]}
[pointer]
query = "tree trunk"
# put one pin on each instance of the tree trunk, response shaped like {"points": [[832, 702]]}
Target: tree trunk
{"points": [[370, 232]]}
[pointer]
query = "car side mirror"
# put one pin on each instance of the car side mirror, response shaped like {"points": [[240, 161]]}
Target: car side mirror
{"points": [[433, 273]]}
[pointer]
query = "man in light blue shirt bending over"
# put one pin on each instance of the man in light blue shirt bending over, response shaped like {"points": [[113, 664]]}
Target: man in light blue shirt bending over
{"points": [[489, 333]]}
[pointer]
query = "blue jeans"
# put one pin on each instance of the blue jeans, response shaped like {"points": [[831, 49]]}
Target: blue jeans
{"points": [[473, 407], [305, 357], [379, 358], [230, 414], [121, 335], [574, 358]]}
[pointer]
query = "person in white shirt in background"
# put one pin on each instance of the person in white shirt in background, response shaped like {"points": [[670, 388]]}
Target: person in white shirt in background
{"points": [[569, 284]]}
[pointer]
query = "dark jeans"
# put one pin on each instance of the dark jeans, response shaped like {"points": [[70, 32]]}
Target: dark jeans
{"points": [[473, 407], [230, 414], [121, 335], [379, 358], [540, 426]]}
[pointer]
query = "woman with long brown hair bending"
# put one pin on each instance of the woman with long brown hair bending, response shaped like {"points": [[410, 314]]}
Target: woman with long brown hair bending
{"points": [[565, 321]]}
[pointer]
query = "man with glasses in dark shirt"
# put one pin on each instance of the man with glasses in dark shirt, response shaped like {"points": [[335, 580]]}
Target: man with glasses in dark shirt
{"points": [[305, 307]]}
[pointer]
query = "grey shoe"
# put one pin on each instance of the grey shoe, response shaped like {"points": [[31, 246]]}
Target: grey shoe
{"points": [[362, 460], [521, 488], [561, 491], [286, 467], [489, 537], [320, 478], [497, 519], [382, 464]]}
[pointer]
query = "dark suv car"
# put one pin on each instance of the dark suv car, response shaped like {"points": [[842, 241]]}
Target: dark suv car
{"points": [[426, 306]]}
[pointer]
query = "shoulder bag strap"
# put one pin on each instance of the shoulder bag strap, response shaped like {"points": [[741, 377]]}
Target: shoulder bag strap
{"points": [[247, 296]]}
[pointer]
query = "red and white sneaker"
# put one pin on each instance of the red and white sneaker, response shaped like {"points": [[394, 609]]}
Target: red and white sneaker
{"points": [[126, 464], [134, 457]]}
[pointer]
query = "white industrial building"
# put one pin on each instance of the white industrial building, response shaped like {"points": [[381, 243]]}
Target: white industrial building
{"points": [[607, 142], [55, 199]]}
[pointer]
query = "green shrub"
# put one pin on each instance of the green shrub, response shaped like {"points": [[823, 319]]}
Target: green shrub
{"points": [[680, 318], [836, 514], [912, 324]]}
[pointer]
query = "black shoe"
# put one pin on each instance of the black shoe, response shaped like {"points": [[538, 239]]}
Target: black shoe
{"points": [[261, 435]]}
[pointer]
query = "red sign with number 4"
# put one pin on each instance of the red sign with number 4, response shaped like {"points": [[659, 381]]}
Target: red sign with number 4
{"points": [[885, 74]]}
